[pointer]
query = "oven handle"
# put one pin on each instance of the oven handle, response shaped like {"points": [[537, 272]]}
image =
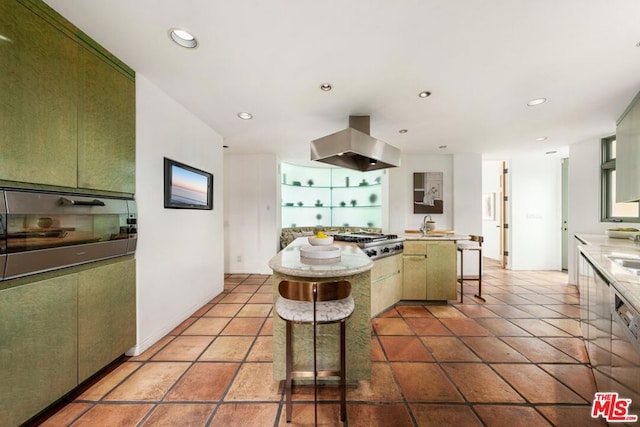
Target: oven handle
{"points": [[68, 202]]}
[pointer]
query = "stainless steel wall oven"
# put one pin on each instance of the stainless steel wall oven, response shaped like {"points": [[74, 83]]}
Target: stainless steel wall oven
{"points": [[42, 231]]}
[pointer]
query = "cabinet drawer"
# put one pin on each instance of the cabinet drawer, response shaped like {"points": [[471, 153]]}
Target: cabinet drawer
{"points": [[385, 267], [415, 248]]}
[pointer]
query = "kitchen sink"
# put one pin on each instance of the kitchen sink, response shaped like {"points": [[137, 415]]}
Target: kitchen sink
{"points": [[631, 265]]}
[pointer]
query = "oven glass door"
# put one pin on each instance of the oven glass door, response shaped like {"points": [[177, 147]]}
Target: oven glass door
{"points": [[49, 221]]}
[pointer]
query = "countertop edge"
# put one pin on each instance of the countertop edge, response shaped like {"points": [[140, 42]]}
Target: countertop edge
{"points": [[597, 249], [352, 261]]}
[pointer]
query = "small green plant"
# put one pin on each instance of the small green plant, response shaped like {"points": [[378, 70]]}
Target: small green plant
{"points": [[354, 202], [343, 204], [300, 203], [310, 182]]}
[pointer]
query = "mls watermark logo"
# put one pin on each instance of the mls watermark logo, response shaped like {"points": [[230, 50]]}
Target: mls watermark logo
{"points": [[612, 408]]}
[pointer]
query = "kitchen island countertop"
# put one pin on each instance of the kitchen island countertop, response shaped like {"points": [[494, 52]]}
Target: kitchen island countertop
{"points": [[352, 261]]}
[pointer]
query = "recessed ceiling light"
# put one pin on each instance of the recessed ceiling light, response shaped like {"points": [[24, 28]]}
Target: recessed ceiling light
{"points": [[536, 101], [424, 94], [183, 38], [442, 147], [541, 138], [326, 87], [373, 161], [551, 152], [225, 146], [245, 116], [403, 131]]}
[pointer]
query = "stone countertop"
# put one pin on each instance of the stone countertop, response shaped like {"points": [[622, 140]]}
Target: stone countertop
{"points": [[597, 248], [352, 261], [435, 237]]}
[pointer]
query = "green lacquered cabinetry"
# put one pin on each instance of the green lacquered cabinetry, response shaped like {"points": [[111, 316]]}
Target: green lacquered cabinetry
{"points": [[38, 104], [38, 346], [67, 108], [59, 328], [106, 315], [429, 270], [386, 283], [106, 126]]}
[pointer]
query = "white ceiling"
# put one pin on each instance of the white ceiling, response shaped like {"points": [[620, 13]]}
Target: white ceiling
{"points": [[482, 61]]}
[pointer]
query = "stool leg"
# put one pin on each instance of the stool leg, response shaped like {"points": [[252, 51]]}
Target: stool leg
{"points": [[289, 368], [479, 294], [289, 362], [461, 276], [315, 375], [343, 372]]}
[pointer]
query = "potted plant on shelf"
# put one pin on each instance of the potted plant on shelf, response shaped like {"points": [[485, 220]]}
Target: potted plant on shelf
{"points": [[310, 183], [343, 204], [373, 198], [318, 203], [353, 202]]}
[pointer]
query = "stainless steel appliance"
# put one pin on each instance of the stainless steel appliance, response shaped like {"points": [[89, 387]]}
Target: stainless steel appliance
{"points": [[375, 245], [42, 231], [625, 349]]}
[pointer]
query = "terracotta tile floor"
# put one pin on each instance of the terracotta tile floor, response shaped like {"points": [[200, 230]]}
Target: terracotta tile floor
{"points": [[516, 360]]}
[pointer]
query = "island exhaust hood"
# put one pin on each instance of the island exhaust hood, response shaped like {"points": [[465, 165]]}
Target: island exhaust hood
{"points": [[354, 148]]}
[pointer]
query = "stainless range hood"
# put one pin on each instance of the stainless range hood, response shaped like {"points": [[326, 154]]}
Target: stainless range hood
{"points": [[354, 148]]}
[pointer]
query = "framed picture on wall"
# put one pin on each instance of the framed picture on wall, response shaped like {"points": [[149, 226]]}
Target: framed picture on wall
{"points": [[489, 207], [186, 187], [427, 193]]}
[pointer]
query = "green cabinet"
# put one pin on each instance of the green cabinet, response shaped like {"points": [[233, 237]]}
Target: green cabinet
{"points": [[628, 153], [38, 110], [106, 315], [38, 346], [429, 269], [386, 283], [59, 328], [67, 114], [106, 126]]}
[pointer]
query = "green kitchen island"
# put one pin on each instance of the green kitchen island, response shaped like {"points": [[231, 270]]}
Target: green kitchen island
{"points": [[353, 266]]}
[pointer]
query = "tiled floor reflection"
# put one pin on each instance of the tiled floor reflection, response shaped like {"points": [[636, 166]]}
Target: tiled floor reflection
{"points": [[516, 360]]}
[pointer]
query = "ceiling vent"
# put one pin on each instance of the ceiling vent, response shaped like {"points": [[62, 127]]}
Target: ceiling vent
{"points": [[354, 148]]}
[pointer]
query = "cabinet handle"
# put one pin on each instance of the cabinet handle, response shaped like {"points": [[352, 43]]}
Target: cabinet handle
{"points": [[68, 202]]}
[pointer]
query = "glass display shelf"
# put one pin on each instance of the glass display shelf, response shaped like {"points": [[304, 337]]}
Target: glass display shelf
{"points": [[347, 196]]}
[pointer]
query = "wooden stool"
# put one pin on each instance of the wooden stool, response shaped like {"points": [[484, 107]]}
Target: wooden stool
{"points": [[314, 303], [474, 244]]}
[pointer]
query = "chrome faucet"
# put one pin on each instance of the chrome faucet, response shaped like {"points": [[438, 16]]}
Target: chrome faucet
{"points": [[424, 229]]}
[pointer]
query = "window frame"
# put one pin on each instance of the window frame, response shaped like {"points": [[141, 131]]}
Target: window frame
{"points": [[607, 165]]}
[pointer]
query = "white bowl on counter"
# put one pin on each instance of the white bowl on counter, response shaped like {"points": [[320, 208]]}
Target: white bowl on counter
{"points": [[320, 241], [320, 252]]}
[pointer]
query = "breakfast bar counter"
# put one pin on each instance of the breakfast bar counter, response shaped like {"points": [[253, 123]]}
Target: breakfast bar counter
{"points": [[354, 266]]}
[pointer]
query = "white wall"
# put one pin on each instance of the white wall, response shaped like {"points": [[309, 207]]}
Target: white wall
{"points": [[401, 216], [251, 215], [180, 252], [536, 213], [467, 206]]}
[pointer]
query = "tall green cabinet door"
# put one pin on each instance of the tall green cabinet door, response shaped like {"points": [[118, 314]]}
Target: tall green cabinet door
{"points": [[106, 315], [38, 346], [106, 126], [38, 99], [441, 271]]}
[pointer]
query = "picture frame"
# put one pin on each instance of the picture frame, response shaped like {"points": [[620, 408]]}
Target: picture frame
{"points": [[428, 193], [489, 207], [186, 187]]}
